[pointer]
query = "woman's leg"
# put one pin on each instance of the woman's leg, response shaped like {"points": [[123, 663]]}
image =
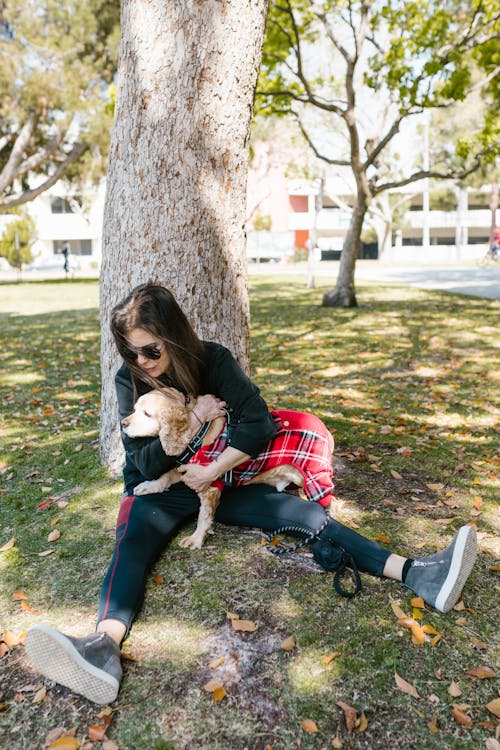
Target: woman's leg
{"points": [[264, 507], [91, 665], [438, 579]]}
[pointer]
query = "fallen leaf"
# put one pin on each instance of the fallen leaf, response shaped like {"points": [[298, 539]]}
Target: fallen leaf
{"points": [[481, 673], [54, 535], [18, 596], [395, 474], [65, 743], [288, 644], [417, 614], [417, 601], [97, 733], [11, 639], [212, 685], [110, 745], [217, 663], [398, 611], [350, 715], [246, 626], [429, 630], [330, 657], [40, 695], [432, 724], [494, 568], [54, 735], [494, 707], [8, 545], [218, 694], [128, 656], [158, 579], [436, 639], [362, 724], [454, 689], [337, 743], [459, 607], [383, 538], [435, 486], [406, 687], [46, 553], [461, 717], [308, 725], [480, 645], [78, 448]]}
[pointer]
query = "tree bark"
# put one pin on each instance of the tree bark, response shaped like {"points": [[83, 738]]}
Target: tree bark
{"points": [[175, 204], [343, 294]]}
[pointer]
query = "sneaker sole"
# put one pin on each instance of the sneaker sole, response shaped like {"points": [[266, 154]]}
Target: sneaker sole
{"points": [[462, 562], [54, 656]]}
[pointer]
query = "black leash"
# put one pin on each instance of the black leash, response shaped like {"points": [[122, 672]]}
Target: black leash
{"points": [[329, 555]]}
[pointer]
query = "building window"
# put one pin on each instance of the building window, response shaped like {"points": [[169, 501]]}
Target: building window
{"points": [[299, 203], [76, 247], [60, 206]]}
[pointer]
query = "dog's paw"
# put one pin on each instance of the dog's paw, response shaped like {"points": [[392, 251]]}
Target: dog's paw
{"points": [[145, 488], [195, 541]]}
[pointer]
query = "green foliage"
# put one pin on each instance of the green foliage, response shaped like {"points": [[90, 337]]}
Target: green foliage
{"points": [[262, 223], [16, 241], [443, 200], [57, 61]]}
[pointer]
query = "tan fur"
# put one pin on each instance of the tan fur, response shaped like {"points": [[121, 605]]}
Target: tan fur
{"points": [[163, 413]]}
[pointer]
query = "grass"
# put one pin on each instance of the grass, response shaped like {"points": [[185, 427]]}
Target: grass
{"points": [[409, 385]]}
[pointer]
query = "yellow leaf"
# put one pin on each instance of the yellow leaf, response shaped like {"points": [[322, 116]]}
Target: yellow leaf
{"points": [[436, 639], [362, 724], [65, 743], [417, 614], [247, 626], [429, 630], [494, 707], [417, 601], [218, 694], [288, 644], [383, 538], [212, 685], [432, 724], [308, 725], [406, 687], [54, 535], [330, 657], [398, 611], [8, 545], [217, 663], [40, 695], [158, 579], [481, 673]]}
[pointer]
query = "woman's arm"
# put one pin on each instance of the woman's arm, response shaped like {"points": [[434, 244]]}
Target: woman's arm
{"points": [[200, 477]]}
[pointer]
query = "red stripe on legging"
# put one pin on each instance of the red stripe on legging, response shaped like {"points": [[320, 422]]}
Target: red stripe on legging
{"points": [[122, 520]]}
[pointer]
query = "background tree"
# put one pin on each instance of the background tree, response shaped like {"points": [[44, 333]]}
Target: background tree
{"points": [[56, 62], [368, 69], [17, 240], [176, 190]]}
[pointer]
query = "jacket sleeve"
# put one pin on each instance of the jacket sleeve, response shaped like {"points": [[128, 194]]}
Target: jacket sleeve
{"points": [[254, 426], [145, 454]]}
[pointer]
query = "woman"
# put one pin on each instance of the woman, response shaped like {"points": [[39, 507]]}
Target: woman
{"points": [[159, 347]]}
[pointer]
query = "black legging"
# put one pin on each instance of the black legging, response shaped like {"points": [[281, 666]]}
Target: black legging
{"points": [[146, 524]]}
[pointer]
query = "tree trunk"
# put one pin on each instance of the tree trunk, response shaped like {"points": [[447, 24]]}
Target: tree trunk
{"points": [[175, 203], [344, 295]]}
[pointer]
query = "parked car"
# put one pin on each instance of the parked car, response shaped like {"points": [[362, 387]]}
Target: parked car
{"points": [[53, 263]]}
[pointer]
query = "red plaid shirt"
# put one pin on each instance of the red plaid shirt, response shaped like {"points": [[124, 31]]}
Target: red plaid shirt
{"points": [[302, 441]]}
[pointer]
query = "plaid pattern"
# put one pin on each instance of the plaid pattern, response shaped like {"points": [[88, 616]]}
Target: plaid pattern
{"points": [[302, 441]]}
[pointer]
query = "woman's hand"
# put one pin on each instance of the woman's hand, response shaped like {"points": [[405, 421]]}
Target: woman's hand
{"points": [[208, 407], [197, 477]]}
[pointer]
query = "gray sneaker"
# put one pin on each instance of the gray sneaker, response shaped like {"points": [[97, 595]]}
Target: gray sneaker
{"points": [[89, 666], [439, 579]]}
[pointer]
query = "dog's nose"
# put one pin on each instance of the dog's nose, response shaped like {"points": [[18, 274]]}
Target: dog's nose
{"points": [[125, 421]]}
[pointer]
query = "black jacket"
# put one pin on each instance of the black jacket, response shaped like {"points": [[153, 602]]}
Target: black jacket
{"points": [[223, 377]]}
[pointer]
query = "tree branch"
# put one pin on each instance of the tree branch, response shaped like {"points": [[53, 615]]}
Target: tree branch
{"points": [[9, 172], [34, 161], [337, 162], [17, 200], [453, 174]]}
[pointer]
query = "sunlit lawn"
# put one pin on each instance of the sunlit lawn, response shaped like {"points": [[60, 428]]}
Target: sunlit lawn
{"points": [[409, 385]]}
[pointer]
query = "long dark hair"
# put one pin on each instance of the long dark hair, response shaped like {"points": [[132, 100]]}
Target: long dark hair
{"points": [[154, 309]]}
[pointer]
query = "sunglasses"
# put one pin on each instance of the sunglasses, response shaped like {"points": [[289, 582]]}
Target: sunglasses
{"points": [[150, 351]]}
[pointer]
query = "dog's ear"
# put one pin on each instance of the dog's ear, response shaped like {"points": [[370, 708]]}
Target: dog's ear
{"points": [[174, 430]]}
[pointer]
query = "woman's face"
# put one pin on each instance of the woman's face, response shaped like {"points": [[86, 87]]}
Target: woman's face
{"points": [[145, 346]]}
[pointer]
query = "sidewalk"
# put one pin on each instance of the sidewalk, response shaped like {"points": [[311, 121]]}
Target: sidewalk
{"points": [[459, 278]]}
